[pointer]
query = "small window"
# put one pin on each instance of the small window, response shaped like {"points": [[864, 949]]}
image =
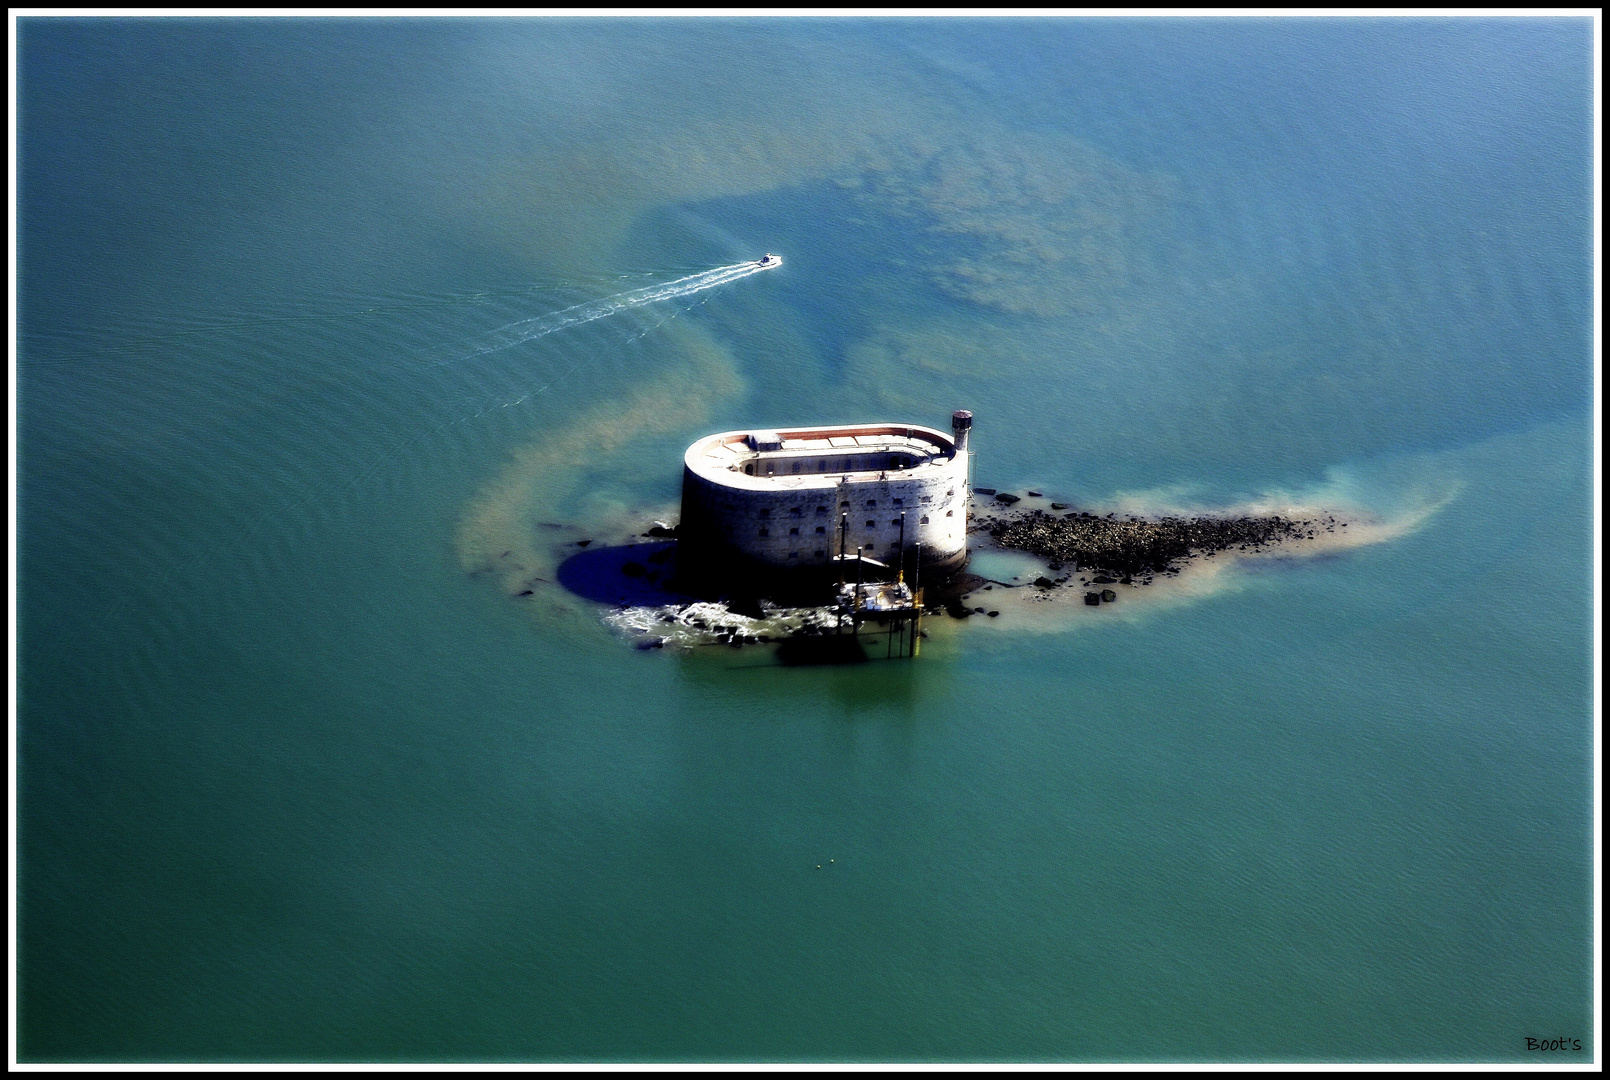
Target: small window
{"points": [[870, 503], [927, 499], [899, 502], [765, 513], [924, 520], [796, 511], [765, 532], [821, 509], [871, 524], [894, 523], [950, 513], [844, 504], [820, 553], [821, 529], [794, 531], [949, 493]]}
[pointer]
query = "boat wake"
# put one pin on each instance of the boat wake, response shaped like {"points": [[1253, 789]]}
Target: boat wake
{"points": [[516, 333]]}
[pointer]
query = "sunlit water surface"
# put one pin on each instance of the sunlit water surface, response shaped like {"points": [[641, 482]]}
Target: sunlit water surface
{"points": [[330, 330]]}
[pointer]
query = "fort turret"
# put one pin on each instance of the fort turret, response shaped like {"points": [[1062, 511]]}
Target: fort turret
{"points": [[961, 422]]}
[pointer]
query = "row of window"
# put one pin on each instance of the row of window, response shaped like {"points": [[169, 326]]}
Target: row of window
{"points": [[871, 504], [870, 523]]}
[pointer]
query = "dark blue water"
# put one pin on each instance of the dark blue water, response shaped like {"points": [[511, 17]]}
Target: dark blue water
{"points": [[302, 777]]}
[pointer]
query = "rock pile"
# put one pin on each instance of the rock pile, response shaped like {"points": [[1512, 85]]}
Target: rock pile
{"points": [[1141, 546]]}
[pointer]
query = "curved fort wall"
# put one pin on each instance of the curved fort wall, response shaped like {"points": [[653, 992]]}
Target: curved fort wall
{"points": [[764, 503]]}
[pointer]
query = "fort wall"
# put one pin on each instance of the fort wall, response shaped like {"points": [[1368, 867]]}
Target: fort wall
{"points": [[759, 503]]}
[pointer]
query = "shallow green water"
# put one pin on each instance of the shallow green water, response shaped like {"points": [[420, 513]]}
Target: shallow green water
{"points": [[300, 778]]}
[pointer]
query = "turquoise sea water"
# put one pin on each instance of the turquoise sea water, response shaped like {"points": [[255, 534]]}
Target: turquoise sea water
{"points": [[302, 779]]}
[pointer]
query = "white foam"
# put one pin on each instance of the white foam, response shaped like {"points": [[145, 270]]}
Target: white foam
{"points": [[515, 333], [704, 623]]}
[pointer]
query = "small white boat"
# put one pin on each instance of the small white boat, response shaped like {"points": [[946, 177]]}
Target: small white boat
{"points": [[769, 260]]}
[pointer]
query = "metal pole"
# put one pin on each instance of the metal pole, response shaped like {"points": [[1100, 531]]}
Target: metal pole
{"points": [[858, 577], [900, 575], [844, 529], [855, 620], [916, 601]]}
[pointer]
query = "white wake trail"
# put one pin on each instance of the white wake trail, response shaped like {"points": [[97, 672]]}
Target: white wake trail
{"points": [[527, 329]]}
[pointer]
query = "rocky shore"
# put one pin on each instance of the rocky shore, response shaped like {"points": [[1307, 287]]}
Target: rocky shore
{"points": [[1083, 552], [1132, 547]]}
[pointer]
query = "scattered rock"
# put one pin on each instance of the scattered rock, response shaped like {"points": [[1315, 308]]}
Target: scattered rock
{"points": [[1044, 582], [983, 491], [1035, 495], [1008, 499], [660, 528], [1135, 546], [1059, 506], [583, 543], [992, 614], [1108, 596], [526, 592], [1092, 599]]}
